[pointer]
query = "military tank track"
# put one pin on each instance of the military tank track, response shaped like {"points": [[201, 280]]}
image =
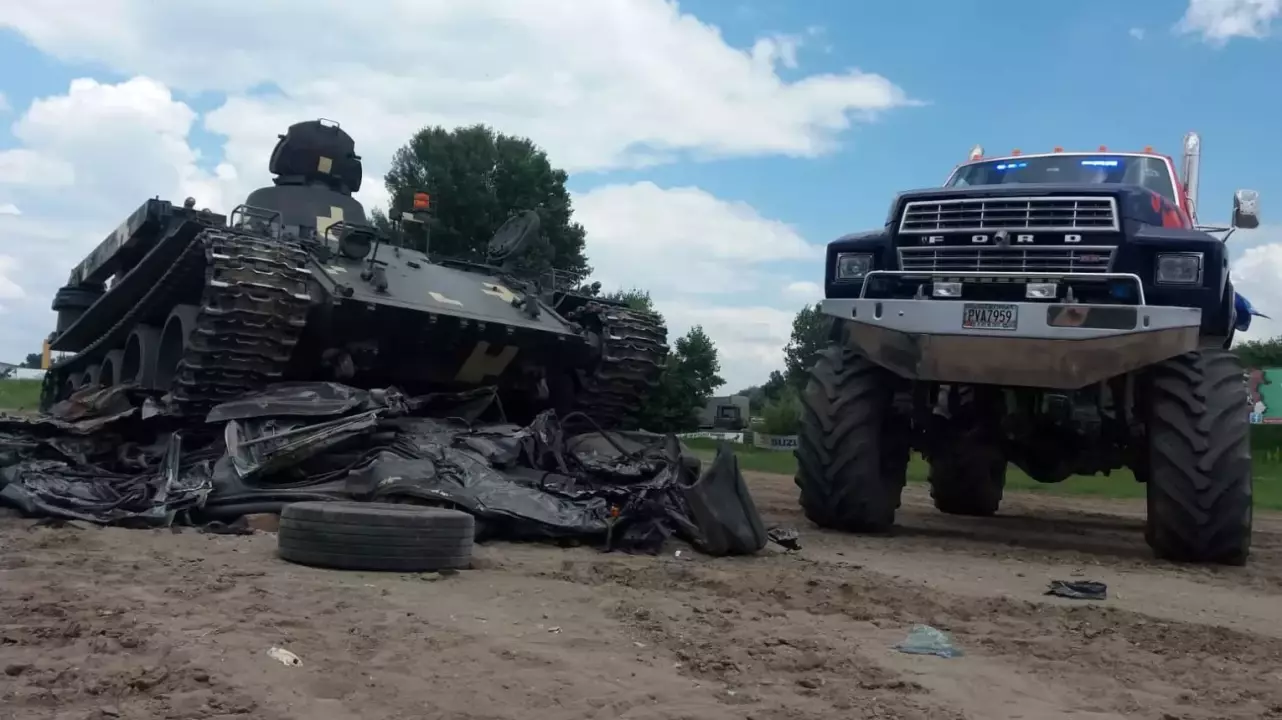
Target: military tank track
{"points": [[252, 311], [634, 350]]}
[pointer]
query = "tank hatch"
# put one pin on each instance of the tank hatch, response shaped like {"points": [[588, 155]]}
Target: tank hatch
{"points": [[317, 152]]}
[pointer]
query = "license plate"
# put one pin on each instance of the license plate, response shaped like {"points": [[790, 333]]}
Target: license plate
{"points": [[990, 317]]}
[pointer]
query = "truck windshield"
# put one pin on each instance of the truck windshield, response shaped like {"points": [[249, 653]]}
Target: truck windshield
{"points": [[1148, 172]]}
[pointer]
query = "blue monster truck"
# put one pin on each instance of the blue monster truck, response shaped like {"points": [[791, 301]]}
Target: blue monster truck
{"points": [[1062, 312]]}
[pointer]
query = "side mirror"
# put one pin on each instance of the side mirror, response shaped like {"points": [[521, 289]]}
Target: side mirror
{"points": [[1246, 209]]}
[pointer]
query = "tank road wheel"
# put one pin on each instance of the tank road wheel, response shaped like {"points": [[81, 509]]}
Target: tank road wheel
{"points": [[1199, 452], [967, 462], [852, 454]]}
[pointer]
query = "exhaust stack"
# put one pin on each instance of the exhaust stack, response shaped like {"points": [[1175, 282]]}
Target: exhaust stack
{"points": [[1190, 169]]}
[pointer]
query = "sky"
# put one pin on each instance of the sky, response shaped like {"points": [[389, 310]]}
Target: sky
{"points": [[714, 146]]}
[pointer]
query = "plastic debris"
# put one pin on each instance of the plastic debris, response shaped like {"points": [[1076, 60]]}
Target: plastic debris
{"points": [[785, 537], [1078, 589], [111, 457], [926, 640], [284, 657]]}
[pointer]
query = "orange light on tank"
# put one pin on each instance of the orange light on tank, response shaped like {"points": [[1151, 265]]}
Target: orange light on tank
{"points": [[1103, 148], [422, 200], [1058, 149], [1014, 152]]}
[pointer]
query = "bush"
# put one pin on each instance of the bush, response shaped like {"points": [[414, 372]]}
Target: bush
{"points": [[1266, 442], [782, 416]]}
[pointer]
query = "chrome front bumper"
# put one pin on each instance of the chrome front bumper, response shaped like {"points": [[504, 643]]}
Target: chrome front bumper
{"points": [[1054, 345]]}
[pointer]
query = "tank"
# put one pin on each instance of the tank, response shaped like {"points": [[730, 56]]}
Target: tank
{"points": [[298, 284]]}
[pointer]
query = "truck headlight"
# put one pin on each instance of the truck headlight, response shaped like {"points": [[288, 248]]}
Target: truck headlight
{"points": [[1179, 268], [852, 266]]}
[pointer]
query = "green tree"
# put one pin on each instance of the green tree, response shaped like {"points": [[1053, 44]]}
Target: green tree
{"points": [[1260, 353], [689, 379], [32, 361], [756, 397], [775, 386], [810, 329], [782, 415], [635, 298], [761, 395], [477, 178]]}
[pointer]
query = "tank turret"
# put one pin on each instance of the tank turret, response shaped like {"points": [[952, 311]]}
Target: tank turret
{"points": [[315, 170], [317, 152]]}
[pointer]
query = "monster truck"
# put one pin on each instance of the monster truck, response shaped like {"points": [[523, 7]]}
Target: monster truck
{"points": [[298, 284], [1061, 312]]}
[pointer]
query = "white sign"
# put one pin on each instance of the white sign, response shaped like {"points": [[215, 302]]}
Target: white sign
{"points": [[774, 442], [713, 435]]}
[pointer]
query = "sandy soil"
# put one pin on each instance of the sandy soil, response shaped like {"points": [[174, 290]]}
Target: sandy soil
{"points": [[144, 625]]}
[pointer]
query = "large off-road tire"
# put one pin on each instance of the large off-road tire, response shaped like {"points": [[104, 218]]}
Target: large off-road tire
{"points": [[852, 454], [1199, 454], [968, 462], [375, 536]]}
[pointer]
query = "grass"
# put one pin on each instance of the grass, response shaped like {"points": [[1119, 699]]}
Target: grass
{"points": [[20, 395], [1120, 485]]}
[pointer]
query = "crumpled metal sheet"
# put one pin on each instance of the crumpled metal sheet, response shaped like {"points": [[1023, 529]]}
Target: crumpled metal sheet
{"points": [[292, 399], [104, 459], [86, 412], [60, 488]]}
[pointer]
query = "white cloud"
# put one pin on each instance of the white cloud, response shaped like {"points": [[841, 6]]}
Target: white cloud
{"points": [[1137, 33], [31, 169], [1218, 21], [4, 104], [600, 85], [1255, 274], [804, 290], [682, 241], [9, 209], [9, 290], [749, 340]]}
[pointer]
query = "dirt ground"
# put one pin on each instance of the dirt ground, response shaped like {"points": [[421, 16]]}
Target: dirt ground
{"points": [[144, 625]]}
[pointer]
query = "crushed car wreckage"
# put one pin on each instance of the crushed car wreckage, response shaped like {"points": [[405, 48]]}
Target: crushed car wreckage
{"points": [[116, 456]]}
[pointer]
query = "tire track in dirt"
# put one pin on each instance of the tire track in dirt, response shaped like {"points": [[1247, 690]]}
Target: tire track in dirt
{"points": [[1064, 531], [1114, 661]]}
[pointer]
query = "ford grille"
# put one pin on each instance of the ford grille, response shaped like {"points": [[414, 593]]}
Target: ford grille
{"points": [[1049, 214], [1049, 260]]}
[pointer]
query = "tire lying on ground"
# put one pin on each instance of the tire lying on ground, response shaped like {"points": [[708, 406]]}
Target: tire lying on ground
{"points": [[1199, 460], [375, 536]]}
